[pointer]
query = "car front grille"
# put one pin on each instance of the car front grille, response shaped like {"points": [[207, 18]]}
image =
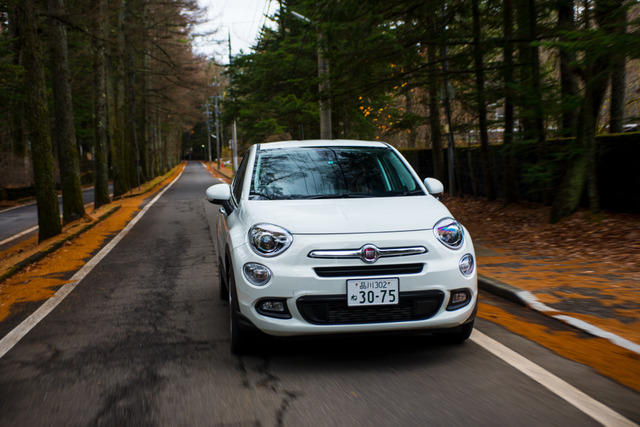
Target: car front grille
{"points": [[333, 309], [369, 270]]}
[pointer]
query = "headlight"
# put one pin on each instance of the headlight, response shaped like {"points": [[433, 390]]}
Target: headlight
{"points": [[269, 240], [449, 232]]}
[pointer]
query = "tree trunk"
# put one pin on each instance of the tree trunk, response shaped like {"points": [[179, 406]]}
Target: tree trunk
{"points": [[147, 118], [115, 84], [596, 77], [530, 100], [508, 156], [101, 169], [38, 122], [132, 123], [583, 170], [487, 167], [134, 8], [411, 138], [65, 131], [16, 111], [437, 147], [618, 79], [568, 82]]}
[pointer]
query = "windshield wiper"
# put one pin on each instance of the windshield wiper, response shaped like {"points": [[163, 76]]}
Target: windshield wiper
{"points": [[338, 196], [416, 192], [262, 196]]}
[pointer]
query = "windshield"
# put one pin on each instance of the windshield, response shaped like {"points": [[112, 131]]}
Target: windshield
{"points": [[330, 172]]}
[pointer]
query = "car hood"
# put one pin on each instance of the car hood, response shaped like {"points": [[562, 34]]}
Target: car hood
{"points": [[340, 216]]}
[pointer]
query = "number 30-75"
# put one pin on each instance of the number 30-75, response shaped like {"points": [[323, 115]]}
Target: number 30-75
{"points": [[386, 296]]}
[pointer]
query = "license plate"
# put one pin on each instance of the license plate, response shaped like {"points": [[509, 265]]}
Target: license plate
{"points": [[362, 292]]}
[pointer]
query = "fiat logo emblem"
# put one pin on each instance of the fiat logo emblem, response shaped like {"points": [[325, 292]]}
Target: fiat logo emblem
{"points": [[369, 254]]}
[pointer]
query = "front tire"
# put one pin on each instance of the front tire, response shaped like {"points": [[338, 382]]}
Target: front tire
{"points": [[240, 338], [224, 292], [460, 335]]}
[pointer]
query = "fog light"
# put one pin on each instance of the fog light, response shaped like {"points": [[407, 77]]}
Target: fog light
{"points": [[466, 265], [277, 306], [459, 298], [256, 273], [273, 307]]}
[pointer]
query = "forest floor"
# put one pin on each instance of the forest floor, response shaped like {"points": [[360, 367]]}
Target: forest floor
{"points": [[609, 237]]}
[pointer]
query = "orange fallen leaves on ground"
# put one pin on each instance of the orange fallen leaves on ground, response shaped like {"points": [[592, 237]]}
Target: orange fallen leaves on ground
{"points": [[612, 361]]}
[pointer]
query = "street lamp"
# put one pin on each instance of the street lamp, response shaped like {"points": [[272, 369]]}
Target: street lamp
{"points": [[324, 86]]}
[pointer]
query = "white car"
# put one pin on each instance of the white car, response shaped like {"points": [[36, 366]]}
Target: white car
{"points": [[331, 237]]}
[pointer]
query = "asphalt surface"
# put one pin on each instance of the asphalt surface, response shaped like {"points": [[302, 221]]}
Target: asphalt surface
{"points": [[18, 219], [144, 340]]}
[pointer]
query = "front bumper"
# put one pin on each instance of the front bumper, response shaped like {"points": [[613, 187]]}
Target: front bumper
{"points": [[317, 302]]}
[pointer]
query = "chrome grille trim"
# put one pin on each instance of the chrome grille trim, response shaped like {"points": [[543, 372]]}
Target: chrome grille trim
{"points": [[357, 253]]}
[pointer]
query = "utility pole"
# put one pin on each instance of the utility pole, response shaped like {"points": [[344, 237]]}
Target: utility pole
{"points": [[325, 85], [208, 131], [217, 113], [235, 134], [235, 147]]}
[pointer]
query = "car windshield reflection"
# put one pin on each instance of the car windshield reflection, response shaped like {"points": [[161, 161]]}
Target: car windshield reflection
{"points": [[330, 173]]}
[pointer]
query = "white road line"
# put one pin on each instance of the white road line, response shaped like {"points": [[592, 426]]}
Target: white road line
{"points": [[27, 231], [593, 408], [13, 337], [16, 207], [35, 227], [15, 236]]}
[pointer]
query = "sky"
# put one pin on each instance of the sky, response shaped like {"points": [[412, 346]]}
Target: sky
{"points": [[242, 19]]}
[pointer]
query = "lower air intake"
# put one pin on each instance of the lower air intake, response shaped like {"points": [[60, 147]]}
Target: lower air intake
{"points": [[333, 309]]}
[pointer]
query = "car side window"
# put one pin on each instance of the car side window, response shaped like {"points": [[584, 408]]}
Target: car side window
{"points": [[238, 181]]}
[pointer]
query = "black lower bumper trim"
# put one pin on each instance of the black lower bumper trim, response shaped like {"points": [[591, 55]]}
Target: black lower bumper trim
{"points": [[333, 309]]}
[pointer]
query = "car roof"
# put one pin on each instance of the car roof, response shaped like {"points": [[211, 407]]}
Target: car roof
{"points": [[320, 143]]}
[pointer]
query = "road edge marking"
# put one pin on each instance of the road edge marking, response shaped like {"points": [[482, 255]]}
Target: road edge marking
{"points": [[15, 236], [582, 401], [16, 334]]}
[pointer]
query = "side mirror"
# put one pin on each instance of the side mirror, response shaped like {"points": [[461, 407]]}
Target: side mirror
{"points": [[434, 187], [220, 194]]}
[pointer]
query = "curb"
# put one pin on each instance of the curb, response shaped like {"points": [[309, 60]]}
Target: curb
{"points": [[501, 289], [38, 256], [129, 195], [216, 170], [527, 299]]}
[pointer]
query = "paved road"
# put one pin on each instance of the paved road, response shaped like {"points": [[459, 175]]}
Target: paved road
{"points": [[16, 220], [143, 341]]}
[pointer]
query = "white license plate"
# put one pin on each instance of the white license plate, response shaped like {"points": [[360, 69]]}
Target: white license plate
{"points": [[373, 292]]}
